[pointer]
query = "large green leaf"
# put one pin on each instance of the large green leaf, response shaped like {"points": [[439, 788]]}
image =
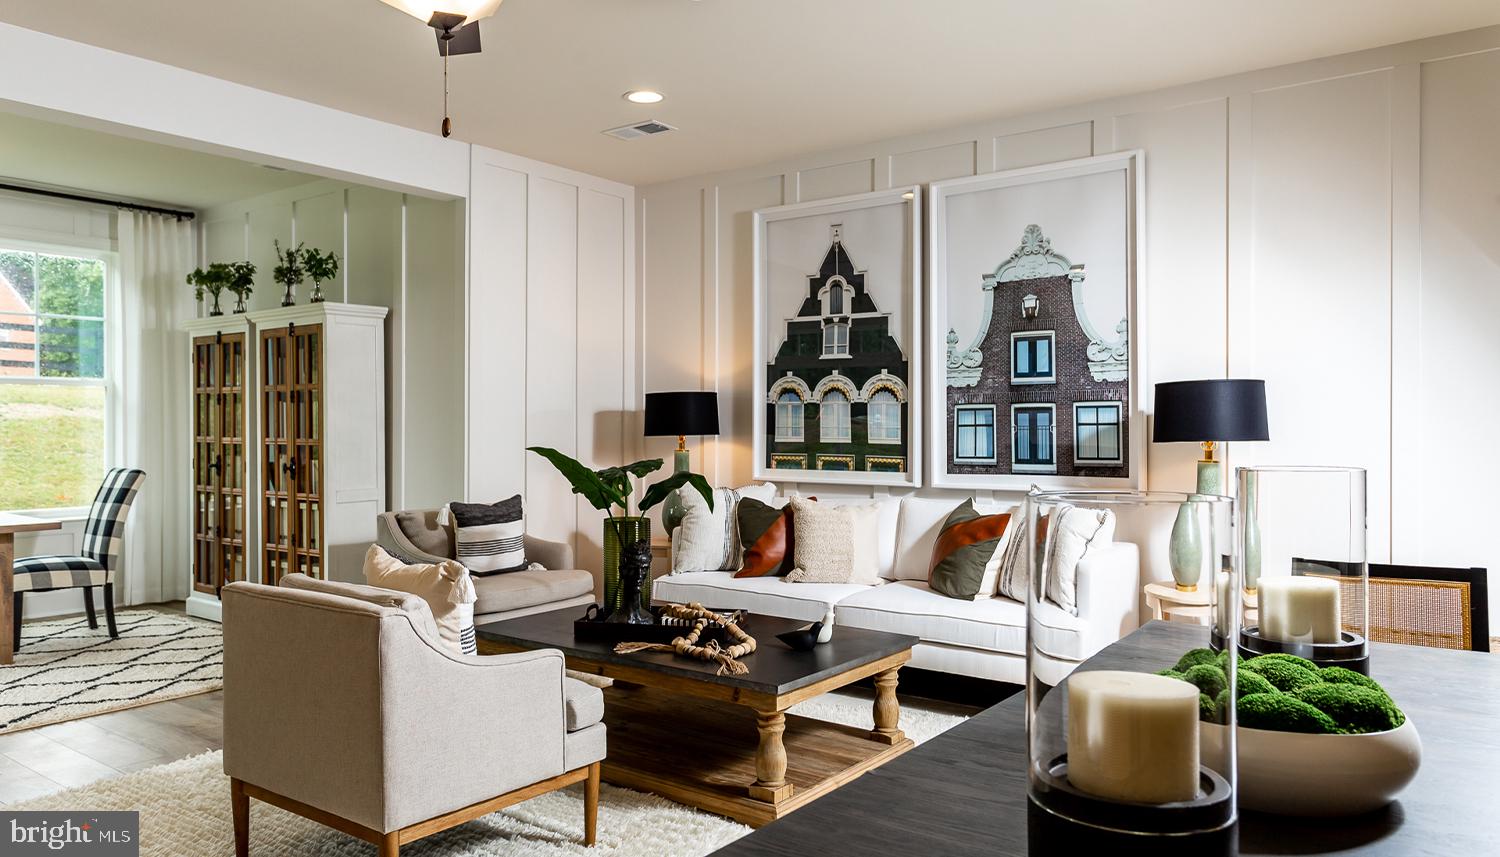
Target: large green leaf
{"points": [[600, 494], [658, 492], [643, 468]]}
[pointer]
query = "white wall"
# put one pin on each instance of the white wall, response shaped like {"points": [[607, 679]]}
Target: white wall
{"points": [[552, 337], [1331, 226]]}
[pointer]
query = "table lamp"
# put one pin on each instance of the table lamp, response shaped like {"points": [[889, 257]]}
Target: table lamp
{"points": [[1206, 412], [680, 414]]}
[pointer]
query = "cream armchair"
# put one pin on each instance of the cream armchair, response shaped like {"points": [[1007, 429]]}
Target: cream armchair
{"points": [[416, 536], [342, 711]]}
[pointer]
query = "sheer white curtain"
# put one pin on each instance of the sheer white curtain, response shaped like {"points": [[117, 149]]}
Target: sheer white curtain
{"points": [[148, 414]]}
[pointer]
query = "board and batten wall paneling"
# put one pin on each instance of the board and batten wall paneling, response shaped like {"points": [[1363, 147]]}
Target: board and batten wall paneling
{"points": [[1328, 225], [1314, 320], [551, 351], [552, 338], [1452, 325]]}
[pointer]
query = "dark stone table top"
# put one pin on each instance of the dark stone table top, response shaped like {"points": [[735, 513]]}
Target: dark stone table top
{"points": [[774, 668], [964, 792]]}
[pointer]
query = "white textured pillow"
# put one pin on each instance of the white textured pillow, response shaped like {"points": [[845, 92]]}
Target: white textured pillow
{"points": [[824, 549], [708, 540], [445, 587], [1012, 560], [1072, 533], [865, 528]]}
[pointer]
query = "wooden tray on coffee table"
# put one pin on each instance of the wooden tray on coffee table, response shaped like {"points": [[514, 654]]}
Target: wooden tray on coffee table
{"points": [[724, 743]]}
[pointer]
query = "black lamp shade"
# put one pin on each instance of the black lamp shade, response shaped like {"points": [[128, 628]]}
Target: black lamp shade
{"points": [[1214, 410], [672, 414]]}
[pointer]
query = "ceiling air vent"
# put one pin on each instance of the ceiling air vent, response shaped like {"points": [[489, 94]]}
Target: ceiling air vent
{"points": [[640, 129]]}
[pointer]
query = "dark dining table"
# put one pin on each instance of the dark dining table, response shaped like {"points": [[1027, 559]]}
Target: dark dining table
{"points": [[964, 792]]}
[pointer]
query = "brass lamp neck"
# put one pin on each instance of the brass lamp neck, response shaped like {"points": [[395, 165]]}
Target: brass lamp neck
{"points": [[1208, 451], [682, 443]]}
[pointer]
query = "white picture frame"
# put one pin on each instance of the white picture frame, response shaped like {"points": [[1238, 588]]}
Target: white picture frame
{"points": [[773, 274], [973, 378]]}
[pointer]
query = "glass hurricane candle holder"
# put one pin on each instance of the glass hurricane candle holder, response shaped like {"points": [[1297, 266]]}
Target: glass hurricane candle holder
{"points": [[1301, 533], [1133, 753]]}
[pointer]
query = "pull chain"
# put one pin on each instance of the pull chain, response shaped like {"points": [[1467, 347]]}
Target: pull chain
{"points": [[447, 123]]}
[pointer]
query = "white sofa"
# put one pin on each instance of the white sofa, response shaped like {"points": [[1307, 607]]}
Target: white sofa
{"points": [[984, 638]]}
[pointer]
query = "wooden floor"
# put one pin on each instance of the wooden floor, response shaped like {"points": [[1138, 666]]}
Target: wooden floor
{"points": [[47, 759]]}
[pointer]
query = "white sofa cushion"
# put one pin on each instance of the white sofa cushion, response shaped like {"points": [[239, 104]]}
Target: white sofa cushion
{"points": [[920, 522], [708, 540], [886, 523], [771, 596], [911, 607]]}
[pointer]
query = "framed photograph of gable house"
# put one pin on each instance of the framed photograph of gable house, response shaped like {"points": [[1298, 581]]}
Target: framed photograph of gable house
{"points": [[1034, 330], [838, 361]]}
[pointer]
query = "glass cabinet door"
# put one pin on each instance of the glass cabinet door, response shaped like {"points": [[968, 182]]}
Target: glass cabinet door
{"points": [[218, 461], [292, 437]]}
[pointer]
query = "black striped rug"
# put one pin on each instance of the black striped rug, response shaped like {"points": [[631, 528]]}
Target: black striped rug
{"points": [[66, 670]]}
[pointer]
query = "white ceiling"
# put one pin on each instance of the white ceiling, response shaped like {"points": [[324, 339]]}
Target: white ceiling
{"points": [[747, 81], [100, 164]]}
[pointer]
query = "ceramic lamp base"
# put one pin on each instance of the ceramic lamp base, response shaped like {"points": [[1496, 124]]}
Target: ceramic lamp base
{"points": [[671, 508]]}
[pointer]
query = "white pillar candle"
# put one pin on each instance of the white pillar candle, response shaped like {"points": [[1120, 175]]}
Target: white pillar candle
{"points": [[1299, 609], [1133, 736], [1222, 603]]}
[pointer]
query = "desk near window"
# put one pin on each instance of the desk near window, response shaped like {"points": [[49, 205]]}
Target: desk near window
{"points": [[10, 524]]}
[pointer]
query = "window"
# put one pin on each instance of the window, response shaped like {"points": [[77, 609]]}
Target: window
{"points": [[789, 417], [836, 301], [51, 379], [835, 462], [884, 417], [1097, 433], [1031, 358], [835, 339], [1032, 438], [885, 464], [974, 433], [833, 417]]}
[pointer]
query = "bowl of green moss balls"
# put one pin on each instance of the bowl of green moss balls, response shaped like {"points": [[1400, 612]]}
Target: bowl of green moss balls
{"points": [[1312, 741]]}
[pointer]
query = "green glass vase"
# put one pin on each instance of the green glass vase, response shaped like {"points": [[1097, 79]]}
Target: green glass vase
{"points": [[618, 533]]}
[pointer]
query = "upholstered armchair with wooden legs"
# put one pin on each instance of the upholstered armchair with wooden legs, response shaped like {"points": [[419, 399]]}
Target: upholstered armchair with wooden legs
{"points": [[343, 711]]}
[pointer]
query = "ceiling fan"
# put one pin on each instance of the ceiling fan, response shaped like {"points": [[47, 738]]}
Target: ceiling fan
{"points": [[456, 25]]}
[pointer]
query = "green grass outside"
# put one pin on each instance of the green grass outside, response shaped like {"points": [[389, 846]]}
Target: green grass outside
{"points": [[51, 445]]}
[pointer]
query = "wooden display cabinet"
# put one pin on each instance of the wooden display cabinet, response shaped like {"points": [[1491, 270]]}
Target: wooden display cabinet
{"points": [[219, 411], [321, 437]]}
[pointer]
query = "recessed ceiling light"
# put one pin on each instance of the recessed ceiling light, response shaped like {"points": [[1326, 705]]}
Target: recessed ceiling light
{"points": [[643, 96]]}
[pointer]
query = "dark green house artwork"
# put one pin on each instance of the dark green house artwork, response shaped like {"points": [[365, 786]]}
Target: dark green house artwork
{"points": [[836, 391]]}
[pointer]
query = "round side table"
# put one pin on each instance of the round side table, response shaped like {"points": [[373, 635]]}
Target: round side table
{"points": [[1172, 604]]}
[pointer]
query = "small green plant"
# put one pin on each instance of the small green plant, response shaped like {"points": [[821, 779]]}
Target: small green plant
{"points": [[289, 271], [241, 282], [211, 281], [321, 267]]}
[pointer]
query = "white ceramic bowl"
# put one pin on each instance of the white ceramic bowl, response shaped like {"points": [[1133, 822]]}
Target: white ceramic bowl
{"points": [[1293, 773]]}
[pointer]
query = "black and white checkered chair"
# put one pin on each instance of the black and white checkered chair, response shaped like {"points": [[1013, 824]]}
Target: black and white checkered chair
{"points": [[102, 538]]}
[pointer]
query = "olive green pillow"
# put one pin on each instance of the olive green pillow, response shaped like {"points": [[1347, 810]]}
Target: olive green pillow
{"points": [[965, 546]]}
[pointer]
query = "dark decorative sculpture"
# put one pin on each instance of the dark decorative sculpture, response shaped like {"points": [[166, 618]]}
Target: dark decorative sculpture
{"points": [[635, 564]]}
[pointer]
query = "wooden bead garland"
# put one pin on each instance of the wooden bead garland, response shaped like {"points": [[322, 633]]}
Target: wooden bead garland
{"points": [[728, 658]]}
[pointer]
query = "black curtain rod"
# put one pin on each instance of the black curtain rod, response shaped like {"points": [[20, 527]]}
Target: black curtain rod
{"points": [[78, 197]]}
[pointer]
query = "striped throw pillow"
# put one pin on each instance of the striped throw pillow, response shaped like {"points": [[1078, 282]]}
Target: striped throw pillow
{"points": [[490, 539]]}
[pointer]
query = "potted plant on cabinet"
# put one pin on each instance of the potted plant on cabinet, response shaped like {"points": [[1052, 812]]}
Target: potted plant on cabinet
{"points": [[610, 489], [319, 266], [289, 272], [241, 281], [210, 281]]}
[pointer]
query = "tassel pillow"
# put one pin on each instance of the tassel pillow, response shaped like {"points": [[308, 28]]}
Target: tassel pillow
{"points": [[445, 587]]}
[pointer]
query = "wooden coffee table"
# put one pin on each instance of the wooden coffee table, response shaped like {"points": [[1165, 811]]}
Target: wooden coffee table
{"points": [[724, 743]]}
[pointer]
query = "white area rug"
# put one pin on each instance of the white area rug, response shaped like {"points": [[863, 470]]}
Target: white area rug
{"points": [[184, 810], [66, 670]]}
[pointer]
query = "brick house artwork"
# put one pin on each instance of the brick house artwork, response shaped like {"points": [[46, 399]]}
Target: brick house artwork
{"points": [[836, 396], [1039, 391], [17, 332]]}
